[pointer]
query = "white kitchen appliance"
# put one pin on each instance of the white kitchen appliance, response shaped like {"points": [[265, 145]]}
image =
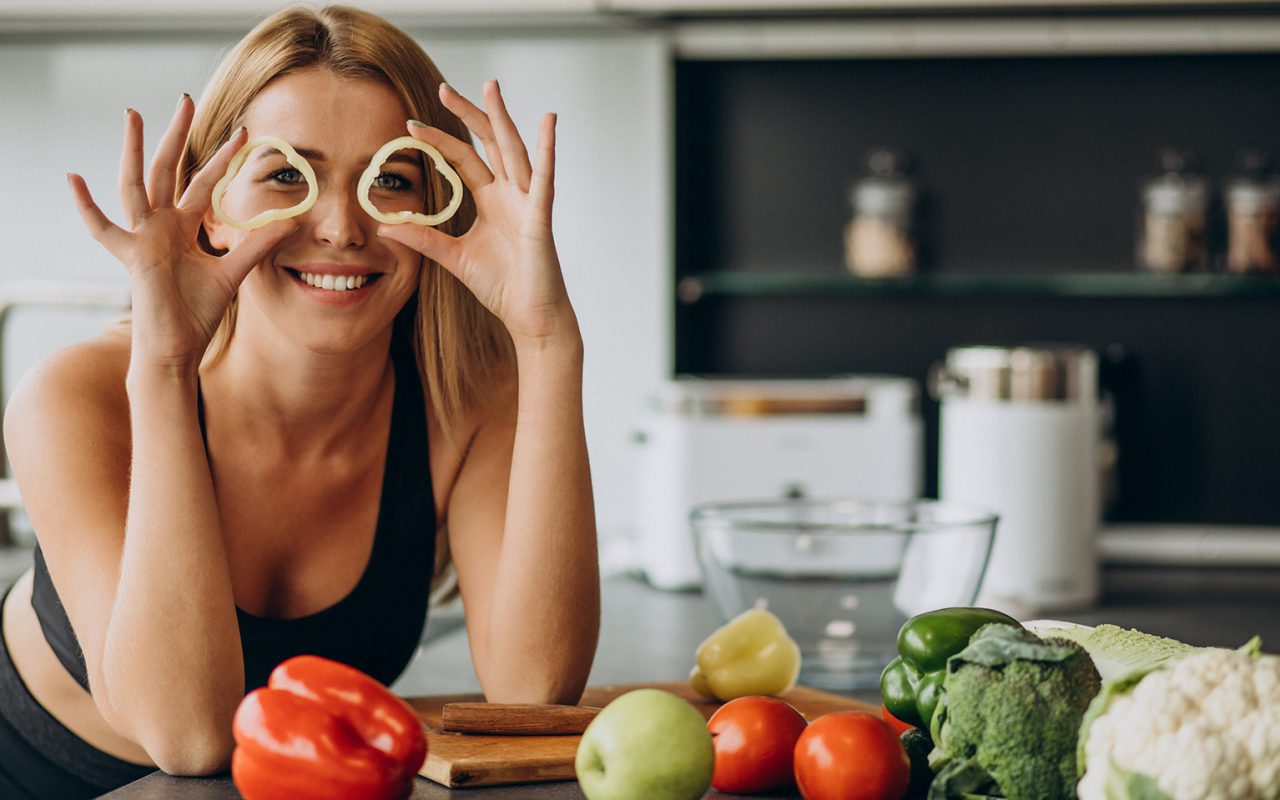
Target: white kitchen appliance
{"points": [[1019, 432], [715, 439]]}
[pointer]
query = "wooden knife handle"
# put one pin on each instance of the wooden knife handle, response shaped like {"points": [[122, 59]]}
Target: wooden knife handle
{"points": [[516, 719]]}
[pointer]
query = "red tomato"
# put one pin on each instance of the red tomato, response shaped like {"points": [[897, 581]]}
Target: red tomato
{"points": [[851, 755], [754, 739], [899, 727]]}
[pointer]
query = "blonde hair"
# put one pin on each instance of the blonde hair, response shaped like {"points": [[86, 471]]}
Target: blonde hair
{"points": [[463, 352]]}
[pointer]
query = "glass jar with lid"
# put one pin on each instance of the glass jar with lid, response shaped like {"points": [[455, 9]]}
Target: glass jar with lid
{"points": [[1252, 202], [1172, 229], [879, 240]]}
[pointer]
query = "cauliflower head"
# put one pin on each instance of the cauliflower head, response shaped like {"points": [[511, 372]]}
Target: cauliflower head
{"points": [[1203, 727]]}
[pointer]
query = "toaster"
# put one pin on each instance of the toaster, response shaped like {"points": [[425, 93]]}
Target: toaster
{"points": [[706, 440]]}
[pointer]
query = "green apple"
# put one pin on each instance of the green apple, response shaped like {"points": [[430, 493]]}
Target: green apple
{"points": [[646, 745]]}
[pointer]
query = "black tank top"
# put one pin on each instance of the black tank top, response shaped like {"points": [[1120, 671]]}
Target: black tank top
{"points": [[377, 626]]}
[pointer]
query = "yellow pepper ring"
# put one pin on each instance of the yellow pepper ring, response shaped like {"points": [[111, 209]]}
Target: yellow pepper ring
{"points": [[274, 214], [398, 217]]}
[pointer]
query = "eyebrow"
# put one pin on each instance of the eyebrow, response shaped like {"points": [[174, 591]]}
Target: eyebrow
{"points": [[316, 155]]}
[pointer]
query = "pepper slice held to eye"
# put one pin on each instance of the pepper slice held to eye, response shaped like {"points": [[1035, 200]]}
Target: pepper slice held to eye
{"points": [[295, 160], [322, 730], [752, 654], [398, 217]]}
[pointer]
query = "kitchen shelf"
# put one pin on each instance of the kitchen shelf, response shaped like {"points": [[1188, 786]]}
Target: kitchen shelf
{"points": [[1089, 285]]}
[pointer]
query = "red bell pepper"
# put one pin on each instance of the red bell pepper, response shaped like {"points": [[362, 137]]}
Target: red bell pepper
{"points": [[322, 730]]}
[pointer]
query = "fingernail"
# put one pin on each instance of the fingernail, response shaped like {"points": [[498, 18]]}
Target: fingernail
{"points": [[237, 131], [417, 124], [448, 88], [185, 97], [127, 112]]}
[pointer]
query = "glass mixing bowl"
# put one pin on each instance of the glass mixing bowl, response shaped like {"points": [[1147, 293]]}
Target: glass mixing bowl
{"points": [[842, 575]]}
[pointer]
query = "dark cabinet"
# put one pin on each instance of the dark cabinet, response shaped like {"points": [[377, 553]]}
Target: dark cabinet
{"points": [[1029, 168]]}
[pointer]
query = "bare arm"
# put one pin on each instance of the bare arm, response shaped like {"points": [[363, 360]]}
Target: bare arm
{"points": [[134, 548], [528, 568], [172, 637], [146, 586], [521, 517]]}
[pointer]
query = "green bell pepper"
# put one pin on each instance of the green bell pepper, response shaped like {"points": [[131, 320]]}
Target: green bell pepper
{"points": [[912, 683]]}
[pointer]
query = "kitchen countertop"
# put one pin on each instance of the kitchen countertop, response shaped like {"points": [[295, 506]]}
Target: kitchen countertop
{"points": [[649, 635]]}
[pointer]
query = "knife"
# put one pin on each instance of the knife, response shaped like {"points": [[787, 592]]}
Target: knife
{"points": [[516, 719]]}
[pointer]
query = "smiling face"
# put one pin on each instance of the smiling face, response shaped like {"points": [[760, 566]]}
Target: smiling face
{"points": [[334, 285]]}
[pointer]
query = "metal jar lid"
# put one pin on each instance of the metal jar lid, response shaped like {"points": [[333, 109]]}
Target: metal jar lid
{"points": [[1059, 373]]}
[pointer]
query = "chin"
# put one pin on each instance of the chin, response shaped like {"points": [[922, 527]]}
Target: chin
{"points": [[329, 338], [322, 328], [336, 345]]}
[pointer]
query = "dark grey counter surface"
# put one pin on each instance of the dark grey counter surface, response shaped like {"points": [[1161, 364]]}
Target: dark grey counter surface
{"points": [[650, 635]]}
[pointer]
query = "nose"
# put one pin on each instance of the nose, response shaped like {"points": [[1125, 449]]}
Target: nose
{"points": [[339, 219]]}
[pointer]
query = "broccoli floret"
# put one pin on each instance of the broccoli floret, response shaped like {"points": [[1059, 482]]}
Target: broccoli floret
{"points": [[918, 746], [1013, 703]]}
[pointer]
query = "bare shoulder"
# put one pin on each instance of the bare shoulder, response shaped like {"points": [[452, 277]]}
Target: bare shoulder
{"points": [[492, 422], [496, 407], [486, 426], [75, 395]]}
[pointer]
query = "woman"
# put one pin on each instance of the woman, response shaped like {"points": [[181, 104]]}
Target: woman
{"points": [[260, 466]]}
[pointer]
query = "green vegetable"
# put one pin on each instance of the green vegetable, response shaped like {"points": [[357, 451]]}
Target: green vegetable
{"points": [[1114, 687], [918, 746], [1132, 785], [912, 683], [963, 778], [1012, 705], [1116, 651]]}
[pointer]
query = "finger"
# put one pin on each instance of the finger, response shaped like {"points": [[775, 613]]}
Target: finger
{"points": [[133, 193], [196, 197], [164, 167], [515, 158], [461, 155], [238, 263], [107, 233], [478, 123], [542, 184], [436, 245]]}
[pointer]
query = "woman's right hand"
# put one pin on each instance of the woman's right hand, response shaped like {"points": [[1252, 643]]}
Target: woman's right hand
{"points": [[180, 291]]}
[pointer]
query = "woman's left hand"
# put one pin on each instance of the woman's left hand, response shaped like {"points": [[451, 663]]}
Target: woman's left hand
{"points": [[507, 258]]}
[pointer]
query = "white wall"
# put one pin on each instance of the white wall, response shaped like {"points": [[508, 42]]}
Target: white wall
{"points": [[62, 101]]}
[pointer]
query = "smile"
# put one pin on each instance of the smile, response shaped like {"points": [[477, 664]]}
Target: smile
{"points": [[330, 282], [337, 283]]}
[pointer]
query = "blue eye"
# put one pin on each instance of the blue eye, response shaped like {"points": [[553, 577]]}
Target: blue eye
{"points": [[389, 181], [288, 176]]}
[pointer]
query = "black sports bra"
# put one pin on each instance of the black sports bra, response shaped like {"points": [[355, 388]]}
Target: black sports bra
{"points": [[377, 626]]}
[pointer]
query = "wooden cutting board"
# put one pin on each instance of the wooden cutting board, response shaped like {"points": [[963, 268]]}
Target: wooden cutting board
{"points": [[461, 760]]}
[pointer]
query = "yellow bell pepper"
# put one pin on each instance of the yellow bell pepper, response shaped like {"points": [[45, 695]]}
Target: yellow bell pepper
{"points": [[752, 654]]}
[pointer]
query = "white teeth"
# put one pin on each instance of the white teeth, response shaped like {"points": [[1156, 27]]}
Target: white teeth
{"points": [[335, 283]]}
